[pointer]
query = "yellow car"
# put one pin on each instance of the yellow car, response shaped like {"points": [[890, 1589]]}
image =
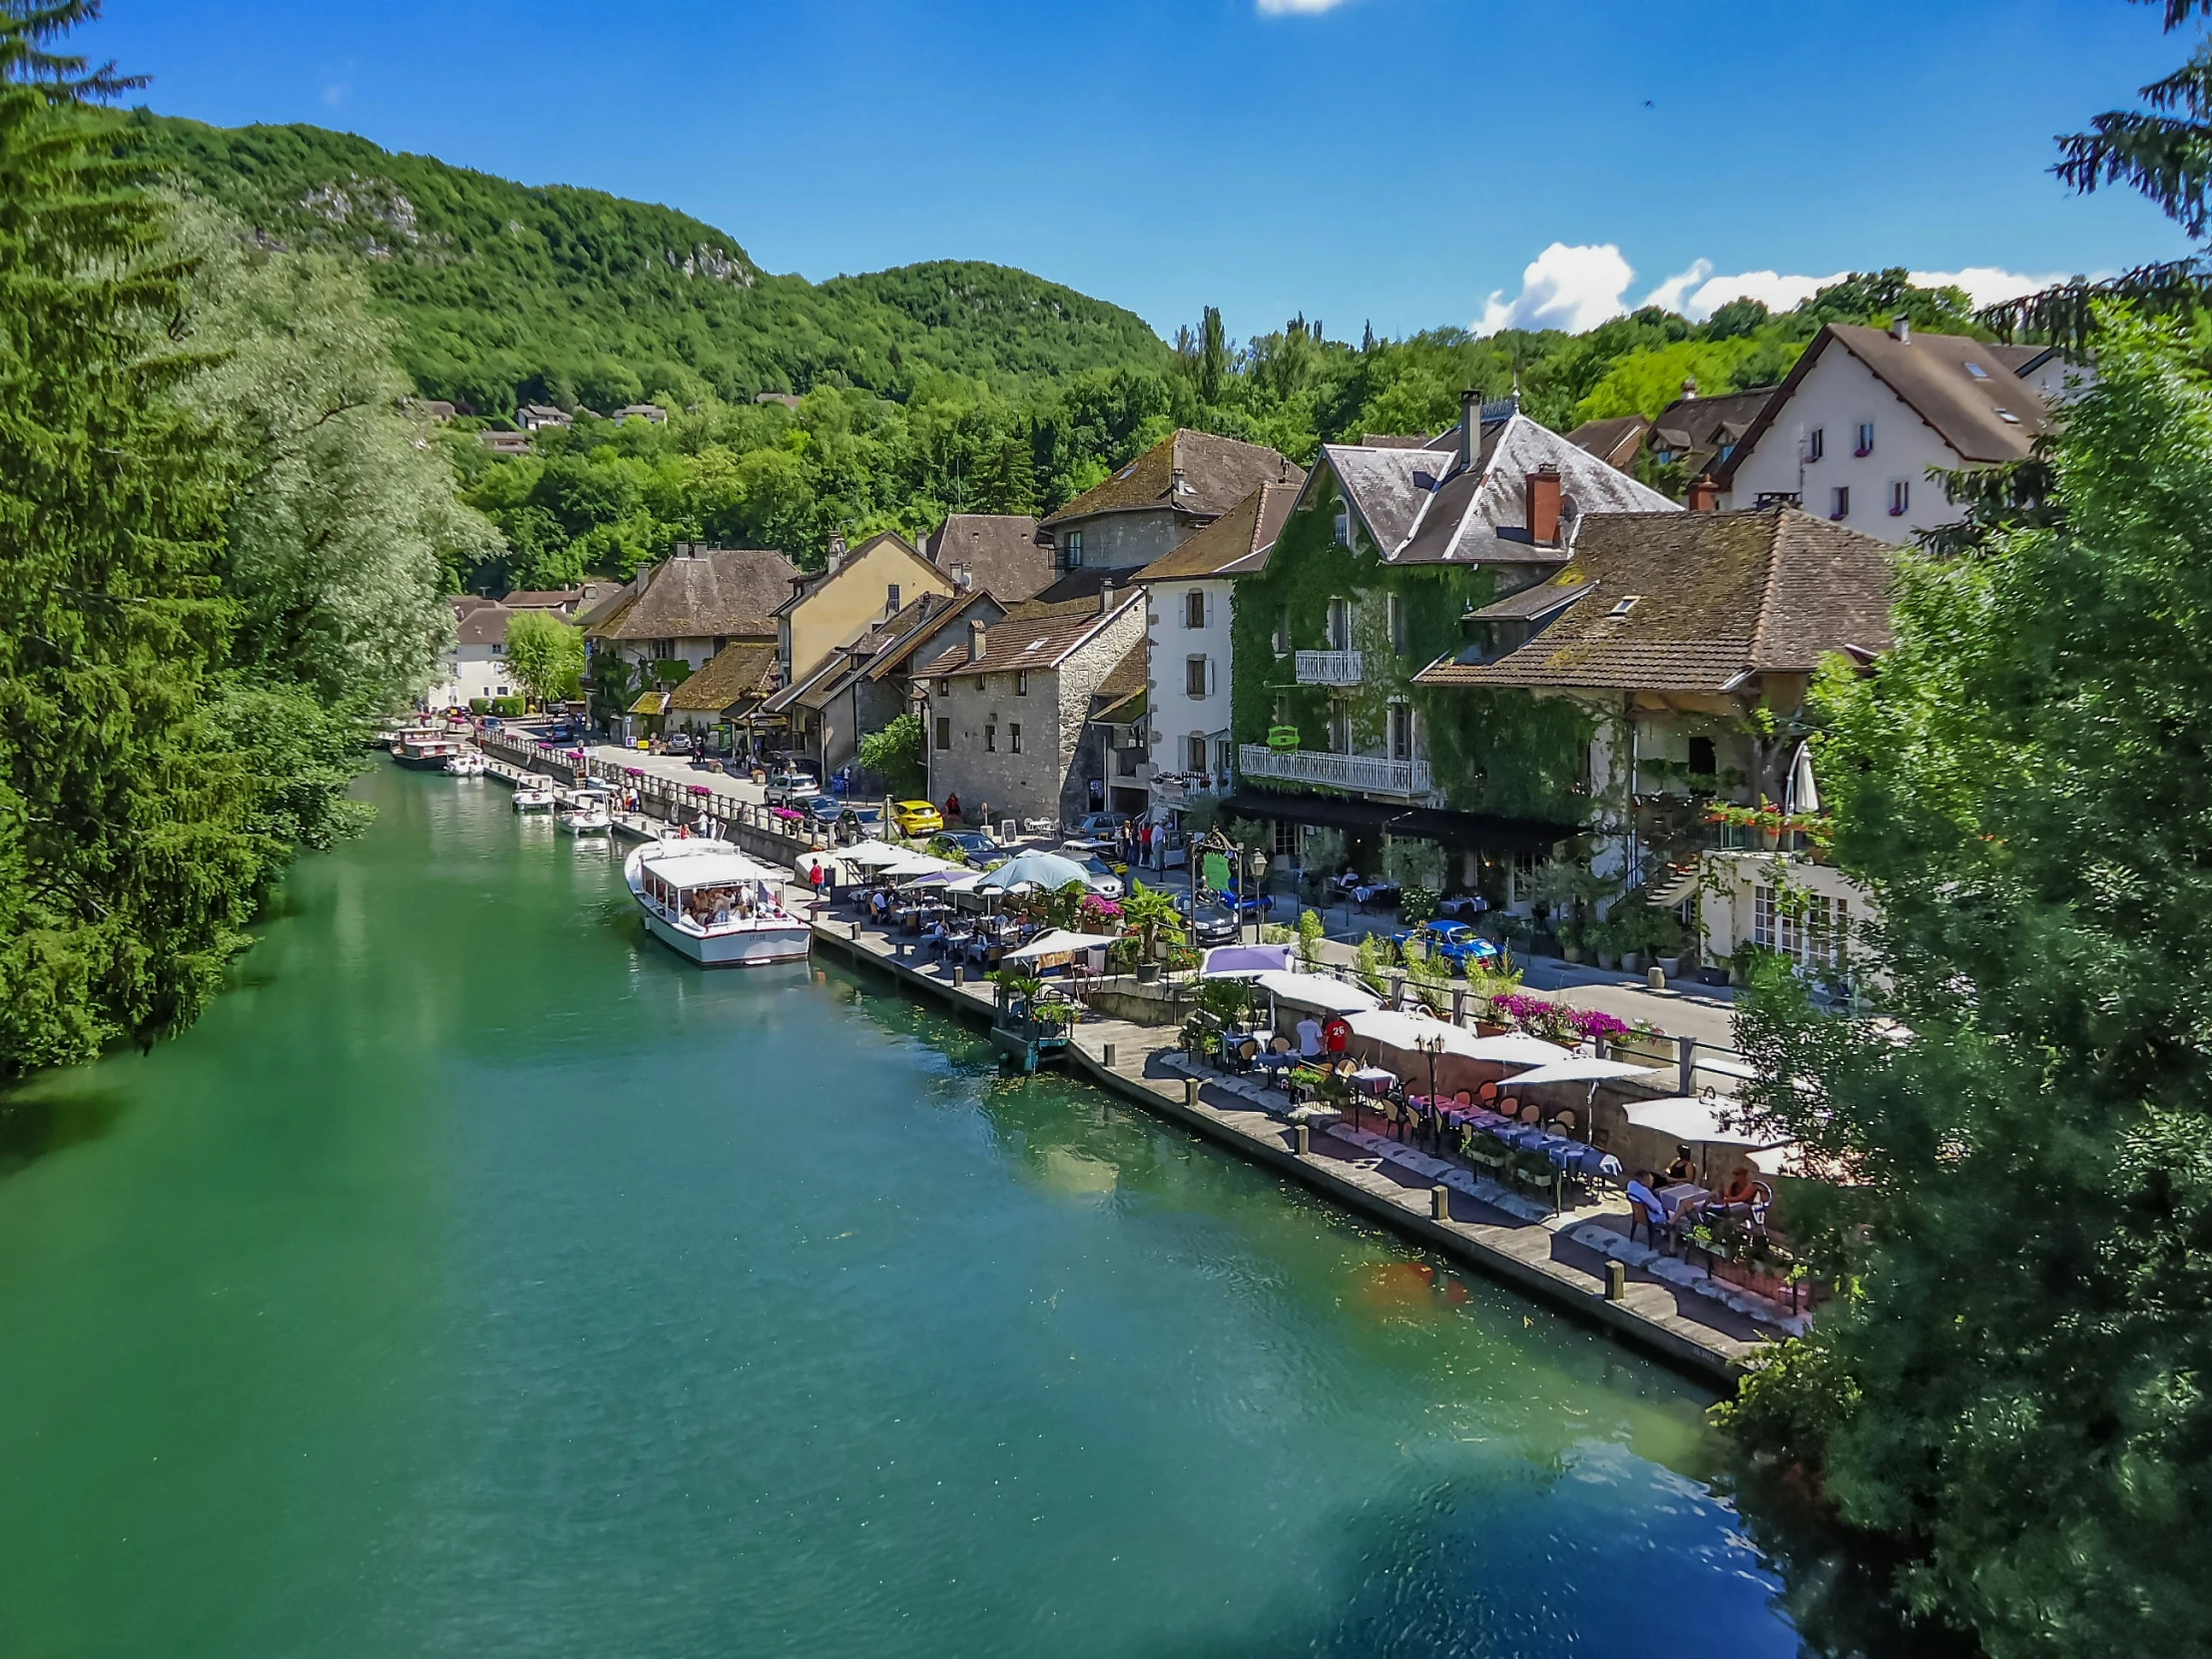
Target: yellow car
{"points": [[916, 818]]}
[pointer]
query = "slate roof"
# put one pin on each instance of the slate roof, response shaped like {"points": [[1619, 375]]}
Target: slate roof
{"points": [[1718, 596], [1235, 544], [1029, 636], [1697, 430], [484, 624], [697, 596], [1615, 441], [1217, 473], [1000, 550], [1930, 373], [737, 674], [1422, 507]]}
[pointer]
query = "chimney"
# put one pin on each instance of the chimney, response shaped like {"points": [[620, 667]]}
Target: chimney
{"points": [[837, 551], [1705, 495], [1471, 427], [975, 642], [1543, 506], [1106, 598], [1900, 329], [1179, 483], [963, 578], [1689, 389]]}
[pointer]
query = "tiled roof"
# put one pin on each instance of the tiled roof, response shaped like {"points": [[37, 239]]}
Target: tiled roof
{"points": [[1235, 544], [650, 703], [737, 674], [696, 595], [999, 551], [1716, 596], [1615, 441], [1121, 694], [1028, 636], [1930, 373], [1697, 429], [484, 624], [1422, 507], [794, 693], [1217, 474]]}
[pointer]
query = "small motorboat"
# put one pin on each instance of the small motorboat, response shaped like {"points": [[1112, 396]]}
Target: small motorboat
{"points": [[468, 764], [533, 798], [584, 811]]}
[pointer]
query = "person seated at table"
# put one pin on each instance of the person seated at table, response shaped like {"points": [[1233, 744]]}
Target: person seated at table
{"points": [[1737, 1195], [1683, 1171], [1643, 1201]]}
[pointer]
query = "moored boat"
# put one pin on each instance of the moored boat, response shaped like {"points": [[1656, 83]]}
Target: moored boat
{"points": [[586, 820], [468, 764], [711, 904], [533, 798], [423, 751]]}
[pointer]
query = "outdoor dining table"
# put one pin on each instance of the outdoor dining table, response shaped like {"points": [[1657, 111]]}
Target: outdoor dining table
{"points": [[1565, 1152], [1671, 1198], [1375, 1080]]}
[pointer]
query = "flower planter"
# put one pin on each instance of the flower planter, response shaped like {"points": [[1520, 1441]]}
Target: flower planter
{"points": [[1490, 1028], [1632, 961], [1608, 961], [1713, 974], [1571, 952]]}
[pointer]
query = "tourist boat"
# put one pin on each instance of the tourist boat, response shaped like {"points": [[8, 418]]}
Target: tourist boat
{"points": [[423, 751], [708, 901], [533, 798], [468, 764]]}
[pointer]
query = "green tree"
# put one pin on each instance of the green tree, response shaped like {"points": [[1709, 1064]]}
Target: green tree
{"points": [[2012, 1390], [895, 754], [547, 655]]}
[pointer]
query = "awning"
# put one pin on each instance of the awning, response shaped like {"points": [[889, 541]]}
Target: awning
{"points": [[1482, 831], [650, 703], [1058, 943]]}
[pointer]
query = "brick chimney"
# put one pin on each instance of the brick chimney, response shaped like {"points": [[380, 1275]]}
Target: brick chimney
{"points": [[1471, 427], [1106, 598], [1705, 495], [1543, 506], [975, 642]]}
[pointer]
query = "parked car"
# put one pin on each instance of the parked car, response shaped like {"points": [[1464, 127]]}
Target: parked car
{"points": [[822, 808], [869, 819], [1452, 942], [680, 744], [916, 818], [1215, 925], [971, 844], [1103, 879], [1098, 832], [790, 788]]}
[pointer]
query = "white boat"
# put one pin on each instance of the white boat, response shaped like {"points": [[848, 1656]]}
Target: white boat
{"points": [[586, 821], [468, 764], [709, 902], [533, 798], [425, 751]]}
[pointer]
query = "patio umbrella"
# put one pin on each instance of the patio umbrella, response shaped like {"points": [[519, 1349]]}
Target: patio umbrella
{"points": [[1058, 942], [1576, 1069], [1318, 990], [1701, 1120], [1247, 958], [1403, 1032], [1516, 1048], [870, 855], [1043, 870]]}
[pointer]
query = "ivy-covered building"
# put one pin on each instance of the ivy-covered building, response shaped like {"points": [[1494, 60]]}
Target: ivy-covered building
{"points": [[1687, 644], [1341, 751]]}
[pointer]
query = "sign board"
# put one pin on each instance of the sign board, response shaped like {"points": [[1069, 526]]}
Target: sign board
{"points": [[1216, 870]]}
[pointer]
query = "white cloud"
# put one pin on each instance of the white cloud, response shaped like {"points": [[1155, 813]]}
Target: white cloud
{"points": [[1674, 292], [1563, 288], [1297, 8], [1697, 294], [1985, 284], [335, 94]]}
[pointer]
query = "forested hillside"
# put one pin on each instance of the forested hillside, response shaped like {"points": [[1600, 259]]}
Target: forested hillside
{"points": [[508, 293]]}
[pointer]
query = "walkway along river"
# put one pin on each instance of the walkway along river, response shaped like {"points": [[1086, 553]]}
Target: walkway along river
{"points": [[478, 1279]]}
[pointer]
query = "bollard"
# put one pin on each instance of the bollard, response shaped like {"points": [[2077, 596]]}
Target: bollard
{"points": [[1190, 1091], [1684, 1062], [1657, 977], [1458, 1004], [1616, 1281], [1109, 1056], [1440, 1202], [1305, 1140], [960, 973]]}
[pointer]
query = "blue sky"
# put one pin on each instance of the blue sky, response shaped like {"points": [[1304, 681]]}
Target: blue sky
{"points": [[1409, 162]]}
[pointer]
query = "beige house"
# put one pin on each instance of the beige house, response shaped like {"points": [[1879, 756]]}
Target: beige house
{"points": [[855, 590], [1008, 710]]}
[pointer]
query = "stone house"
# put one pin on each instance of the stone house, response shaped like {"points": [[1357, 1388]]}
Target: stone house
{"points": [[1008, 709], [1151, 506], [673, 618], [1341, 756], [993, 553]]}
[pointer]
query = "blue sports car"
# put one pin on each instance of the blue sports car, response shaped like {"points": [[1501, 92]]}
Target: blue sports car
{"points": [[1453, 941]]}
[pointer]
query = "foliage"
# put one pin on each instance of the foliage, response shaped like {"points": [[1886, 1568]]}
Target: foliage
{"points": [[1311, 933], [895, 754], [1147, 911], [2020, 783], [546, 654], [1415, 904], [1225, 999]]}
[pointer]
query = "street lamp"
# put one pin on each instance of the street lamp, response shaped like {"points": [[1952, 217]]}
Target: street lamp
{"points": [[1258, 866], [1432, 1047]]}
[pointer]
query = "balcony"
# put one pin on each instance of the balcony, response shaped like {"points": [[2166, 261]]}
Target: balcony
{"points": [[1327, 668], [1370, 773], [1181, 788]]}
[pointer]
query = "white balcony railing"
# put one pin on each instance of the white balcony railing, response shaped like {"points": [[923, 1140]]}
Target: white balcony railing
{"points": [[1182, 788], [1327, 668], [1371, 773]]}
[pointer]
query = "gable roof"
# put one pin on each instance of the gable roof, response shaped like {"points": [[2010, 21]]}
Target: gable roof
{"points": [[1421, 506], [1930, 373], [1217, 473], [805, 587], [1119, 698], [735, 673], [481, 624], [1614, 441], [1718, 597], [1030, 636], [697, 596], [1235, 544], [999, 551]]}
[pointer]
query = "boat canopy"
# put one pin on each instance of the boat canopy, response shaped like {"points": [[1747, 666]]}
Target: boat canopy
{"points": [[703, 863]]}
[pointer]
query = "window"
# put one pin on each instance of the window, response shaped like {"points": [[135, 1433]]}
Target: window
{"points": [[502, 692], [1977, 372], [1394, 614], [1344, 526], [1198, 677], [981, 685], [2007, 416], [1223, 753], [890, 600], [945, 731], [1900, 497], [1703, 762], [1623, 605], [1071, 550], [1283, 841], [1401, 730], [1340, 726], [499, 650], [1282, 633], [1194, 753], [1839, 502], [1866, 439], [1021, 682], [1013, 737], [1810, 929], [1340, 625], [1816, 443], [1194, 608], [990, 740], [663, 650]]}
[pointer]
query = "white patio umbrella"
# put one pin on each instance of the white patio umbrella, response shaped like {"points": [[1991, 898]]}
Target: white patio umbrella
{"points": [[1318, 990], [1576, 1069], [1701, 1120], [1413, 1035], [870, 855], [1058, 942], [1515, 1048]]}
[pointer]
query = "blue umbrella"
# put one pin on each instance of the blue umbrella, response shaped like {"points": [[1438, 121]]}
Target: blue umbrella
{"points": [[1043, 870]]}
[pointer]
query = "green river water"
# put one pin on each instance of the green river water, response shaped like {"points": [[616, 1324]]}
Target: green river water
{"points": [[478, 1279]]}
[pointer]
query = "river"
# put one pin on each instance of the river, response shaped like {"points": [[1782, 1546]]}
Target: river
{"points": [[477, 1279]]}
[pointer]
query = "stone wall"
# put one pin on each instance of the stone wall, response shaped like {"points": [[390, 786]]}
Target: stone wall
{"points": [[1124, 541]]}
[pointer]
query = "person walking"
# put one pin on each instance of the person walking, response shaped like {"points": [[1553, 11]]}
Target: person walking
{"points": [[952, 808]]}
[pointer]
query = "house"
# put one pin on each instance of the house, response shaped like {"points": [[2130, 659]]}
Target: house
{"points": [[674, 617], [476, 664], [831, 607], [1189, 597], [1617, 442], [1120, 722], [1854, 430], [1177, 487], [729, 690], [1689, 641], [535, 417], [562, 602], [1008, 709], [782, 399], [641, 411], [994, 552], [1341, 756], [506, 443], [1694, 435]]}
